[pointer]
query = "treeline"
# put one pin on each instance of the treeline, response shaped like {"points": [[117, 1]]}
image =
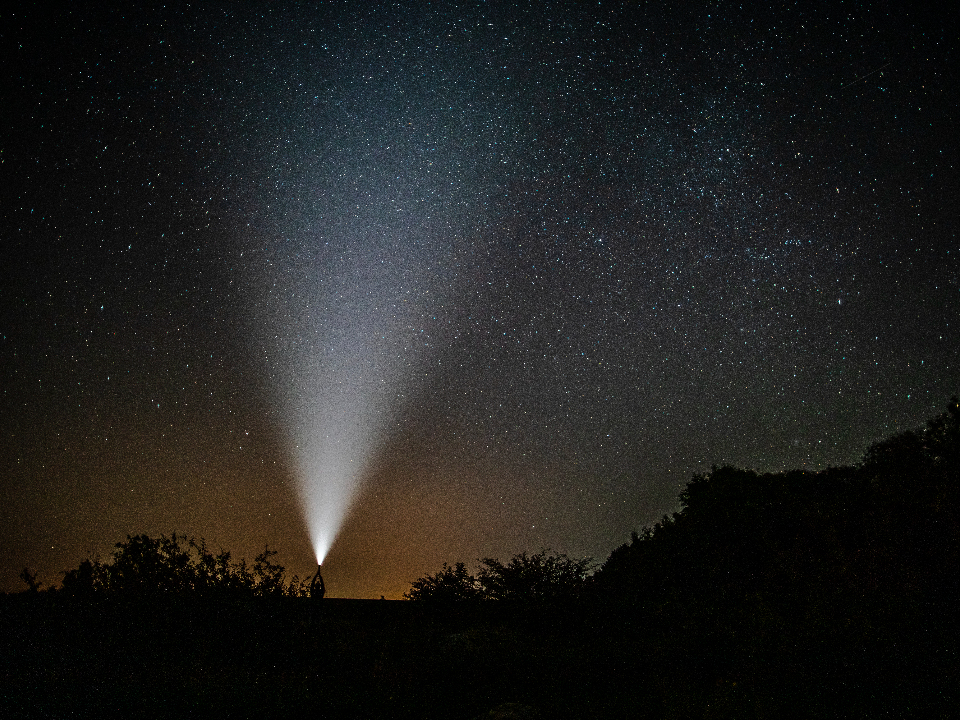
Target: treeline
{"points": [[540, 576], [142, 565], [796, 594], [810, 594]]}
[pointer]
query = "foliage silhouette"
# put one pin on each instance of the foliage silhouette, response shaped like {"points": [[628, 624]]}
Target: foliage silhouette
{"points": [[540, 576], [533, 577], [782, 595], [31, 580], [451, 584], [836, 589], [145, 565]]}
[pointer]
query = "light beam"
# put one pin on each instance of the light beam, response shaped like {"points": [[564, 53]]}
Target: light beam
{"points": [[338, 331]]}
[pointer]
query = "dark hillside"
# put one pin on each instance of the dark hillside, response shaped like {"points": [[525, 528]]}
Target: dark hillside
{"points": [[795, 595], [253, 657], [802, 593]]}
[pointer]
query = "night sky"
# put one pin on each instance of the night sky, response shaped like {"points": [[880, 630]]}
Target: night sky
{"points": [[525, 269]]}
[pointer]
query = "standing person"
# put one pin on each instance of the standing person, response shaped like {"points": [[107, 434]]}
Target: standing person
{"points": [[317, 589]]}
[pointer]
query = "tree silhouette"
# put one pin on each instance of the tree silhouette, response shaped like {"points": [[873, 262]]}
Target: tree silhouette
{"points": [[30, 579], [840, 584], [794, 594], [541, 576], [452, 584], [145, 565]]}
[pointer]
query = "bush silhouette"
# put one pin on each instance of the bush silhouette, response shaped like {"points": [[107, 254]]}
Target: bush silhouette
{"points": [[541, 576], [836, 586], [146, 565]]}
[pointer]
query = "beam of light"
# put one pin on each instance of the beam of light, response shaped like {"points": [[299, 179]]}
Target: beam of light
{"points": [[333, 435], [364, 196], [340, 356]]}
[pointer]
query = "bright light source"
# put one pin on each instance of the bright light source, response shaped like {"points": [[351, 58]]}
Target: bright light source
{"points": [[339, 361]]}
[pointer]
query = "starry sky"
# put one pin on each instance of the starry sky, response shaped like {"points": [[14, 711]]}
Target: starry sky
{"points": [[537, 264]]}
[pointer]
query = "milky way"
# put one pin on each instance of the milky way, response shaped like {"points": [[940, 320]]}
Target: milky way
{"points": [[505, 278]]}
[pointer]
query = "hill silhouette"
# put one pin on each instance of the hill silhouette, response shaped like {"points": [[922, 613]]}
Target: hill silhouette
{"points": [[796, 594]]}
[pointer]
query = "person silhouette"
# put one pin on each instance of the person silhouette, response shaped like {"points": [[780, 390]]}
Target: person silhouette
{"points": [[317, 588]]}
